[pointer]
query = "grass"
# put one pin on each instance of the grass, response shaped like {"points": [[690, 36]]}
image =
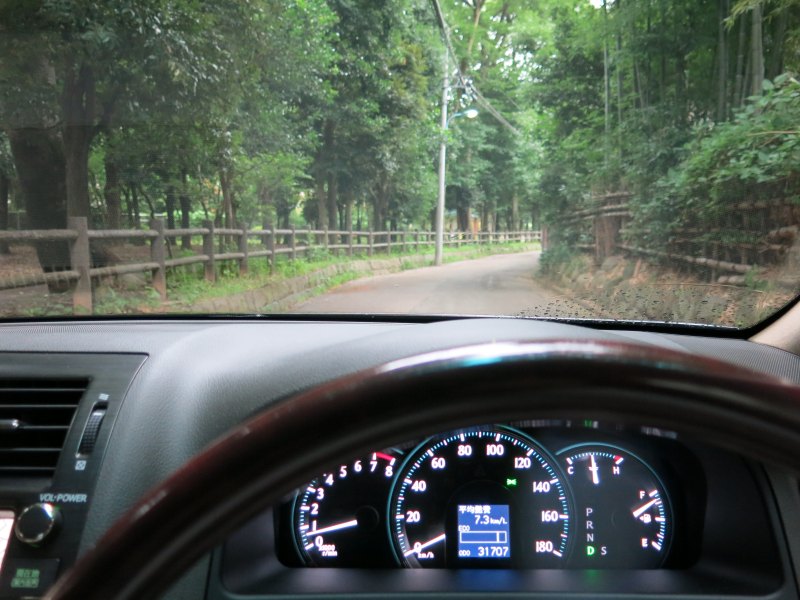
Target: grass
{"points": [[187, 285]]}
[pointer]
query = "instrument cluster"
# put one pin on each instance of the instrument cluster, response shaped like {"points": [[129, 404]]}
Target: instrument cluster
{"points": [[520, 496]]}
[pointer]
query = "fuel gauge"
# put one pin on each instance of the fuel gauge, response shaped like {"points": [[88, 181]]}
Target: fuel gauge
{"points": [[623, 517]]}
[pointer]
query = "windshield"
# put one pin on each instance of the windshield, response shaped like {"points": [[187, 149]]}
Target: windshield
{"points": [[600, 159]]}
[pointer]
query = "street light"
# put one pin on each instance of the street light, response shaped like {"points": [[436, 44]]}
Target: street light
{"points": [[470, 113]]}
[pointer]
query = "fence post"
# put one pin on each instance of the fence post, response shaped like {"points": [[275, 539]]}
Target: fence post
{"points": [[369, 238], [350, 242], [293, 242], [272, 249], [157, 256], [388, 243], [209, 251], [403, 241], [80, 259], [326, 240], [243, 262]]}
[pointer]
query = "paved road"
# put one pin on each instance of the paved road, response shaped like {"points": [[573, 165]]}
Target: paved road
{"points": [[503, 284]]}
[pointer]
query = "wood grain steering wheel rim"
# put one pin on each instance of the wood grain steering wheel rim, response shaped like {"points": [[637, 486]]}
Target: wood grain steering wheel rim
{"points": [[260, 460]]}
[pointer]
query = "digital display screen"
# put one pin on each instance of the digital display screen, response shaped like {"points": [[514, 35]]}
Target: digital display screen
{"points": [[6, 528], [483, 531]]}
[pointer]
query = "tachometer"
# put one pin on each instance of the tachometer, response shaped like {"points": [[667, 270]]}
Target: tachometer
{"points": [[484, 497], [339, 516], [623, 517]]}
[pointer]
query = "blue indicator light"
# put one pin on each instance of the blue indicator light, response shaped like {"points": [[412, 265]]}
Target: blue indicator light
{"points": [[483, 531]]}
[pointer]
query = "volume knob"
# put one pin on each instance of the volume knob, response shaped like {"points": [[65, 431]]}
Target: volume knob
{"points": [[37, 522]]}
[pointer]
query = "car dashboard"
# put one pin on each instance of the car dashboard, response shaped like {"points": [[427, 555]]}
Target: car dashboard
{"points": [[534, 507]]}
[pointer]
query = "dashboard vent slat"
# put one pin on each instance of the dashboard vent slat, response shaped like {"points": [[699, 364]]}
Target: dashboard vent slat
{"points": [[38, 416]]}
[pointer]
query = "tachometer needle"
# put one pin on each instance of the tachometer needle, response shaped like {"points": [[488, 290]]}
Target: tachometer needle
{"points": [[639, 511], [422, 547], [336, 527], [594, 469]]}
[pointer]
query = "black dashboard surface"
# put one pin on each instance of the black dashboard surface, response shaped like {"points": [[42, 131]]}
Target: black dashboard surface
{"points": [[200, 378]]}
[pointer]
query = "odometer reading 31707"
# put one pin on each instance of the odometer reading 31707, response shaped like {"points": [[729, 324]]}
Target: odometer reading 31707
{"points": [[487, 497]]}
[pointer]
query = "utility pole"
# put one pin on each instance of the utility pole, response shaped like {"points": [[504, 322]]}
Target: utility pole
{"points": [[442, 162]]}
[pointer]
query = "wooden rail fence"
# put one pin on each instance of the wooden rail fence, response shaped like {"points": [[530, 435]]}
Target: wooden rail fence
{"points": [[219, 245], [751, 236]]}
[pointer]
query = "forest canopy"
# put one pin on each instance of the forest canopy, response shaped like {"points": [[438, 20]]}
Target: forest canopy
{"points": [[326, 112]]}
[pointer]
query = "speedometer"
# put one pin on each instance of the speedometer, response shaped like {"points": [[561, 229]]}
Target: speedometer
{"points": [[483, 497]]}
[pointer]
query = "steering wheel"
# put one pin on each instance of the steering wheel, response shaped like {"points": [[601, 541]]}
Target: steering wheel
{"points": [[262, 459]]}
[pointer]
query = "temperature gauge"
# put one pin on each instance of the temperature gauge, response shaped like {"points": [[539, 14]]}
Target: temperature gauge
{"points": [[339, 517], [623, 517]]}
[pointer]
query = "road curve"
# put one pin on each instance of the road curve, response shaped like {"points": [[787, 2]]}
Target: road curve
{"points": [[503, 284]]}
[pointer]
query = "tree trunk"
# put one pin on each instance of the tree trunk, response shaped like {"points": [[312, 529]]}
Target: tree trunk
{"points": [[748, 63], [39, 163], [722, 62], [606, 82], [329, 149], [738, 87], [322, 201], [662, 79], [680, 72], [5, 185], [381, 203], [150, 206], [137, 213], [348, 212], [78, 107], [170, 202], [640, 86], [777, 46], [228, 207], [333, 208], [515, 212], [126, 199], [757, 52], [112, 192], [618, 60], [186, 208]]}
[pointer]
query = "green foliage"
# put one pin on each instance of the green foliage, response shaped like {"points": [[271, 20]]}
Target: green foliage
{"points": [[325, 112], [755, 156], [555, 258]]}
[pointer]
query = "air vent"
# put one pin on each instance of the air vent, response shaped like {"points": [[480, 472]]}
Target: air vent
{"points": [[35, 417]]}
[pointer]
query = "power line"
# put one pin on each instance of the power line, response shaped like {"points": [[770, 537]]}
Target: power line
{"points": [[468, 84]]}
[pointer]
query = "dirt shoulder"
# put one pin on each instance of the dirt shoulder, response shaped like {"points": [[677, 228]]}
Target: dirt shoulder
{"points": [[630, 288]]}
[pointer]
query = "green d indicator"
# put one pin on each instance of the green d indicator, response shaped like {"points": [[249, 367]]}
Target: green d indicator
{"points": [[589, 550]]}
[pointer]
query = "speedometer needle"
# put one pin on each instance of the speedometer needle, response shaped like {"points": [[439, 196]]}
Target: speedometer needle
{"points": [[419, 548], [336, 527], [639, 511]]}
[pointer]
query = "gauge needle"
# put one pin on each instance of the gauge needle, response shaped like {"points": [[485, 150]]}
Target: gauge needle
{"points": [[422, 547], [594, 469], [638, 512], [338, 526]]}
